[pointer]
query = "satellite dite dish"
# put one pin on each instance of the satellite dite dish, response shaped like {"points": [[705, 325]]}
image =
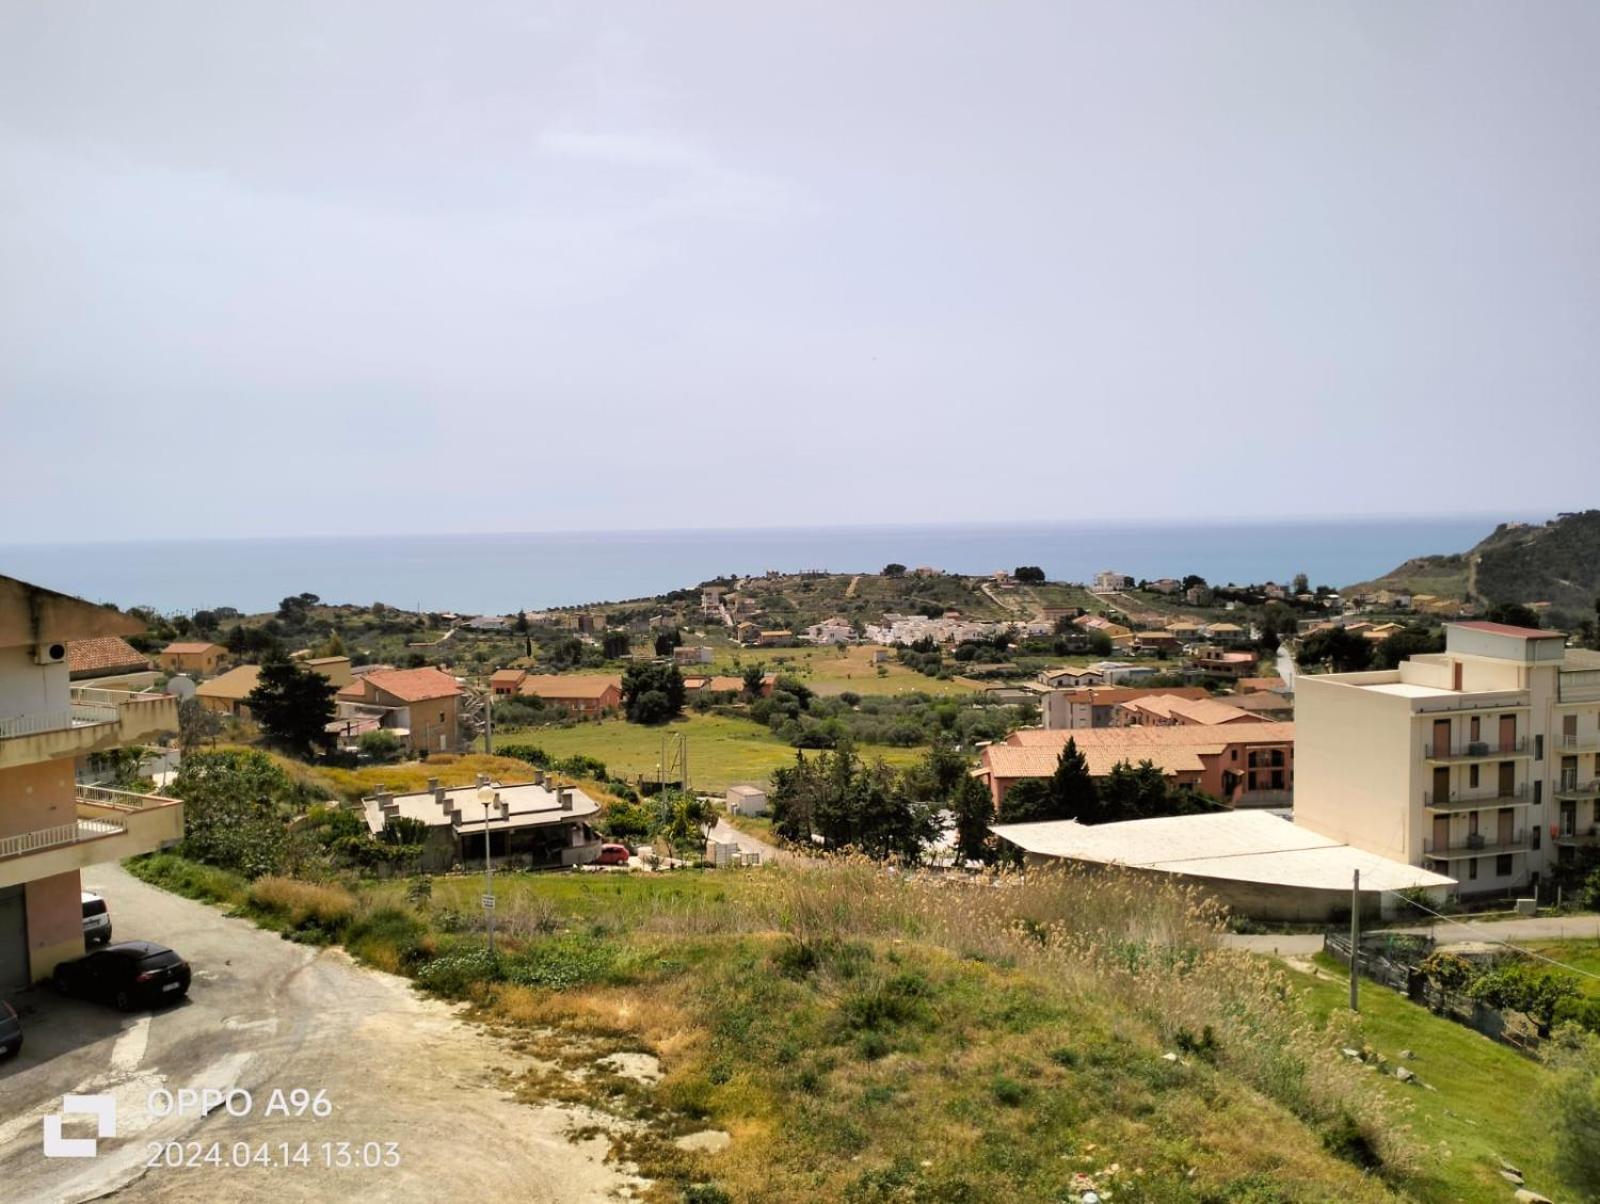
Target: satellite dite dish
{"points": [[180, 687]]}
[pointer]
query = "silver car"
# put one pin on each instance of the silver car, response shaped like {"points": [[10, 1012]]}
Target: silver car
{"points": [[96, 920]]}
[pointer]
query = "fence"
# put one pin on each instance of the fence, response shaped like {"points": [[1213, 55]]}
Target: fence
{"points": [[1393, 960]]}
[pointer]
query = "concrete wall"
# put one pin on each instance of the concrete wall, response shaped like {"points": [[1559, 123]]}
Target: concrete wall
{"points": [[1353, 767], [55, 922], [30, 689]]}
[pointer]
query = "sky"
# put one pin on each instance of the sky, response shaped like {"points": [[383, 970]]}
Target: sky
{"points": [[308, 268]]}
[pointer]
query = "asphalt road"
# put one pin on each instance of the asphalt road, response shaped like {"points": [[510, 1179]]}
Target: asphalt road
{"points": [[1535, 928], [265, 1015]]}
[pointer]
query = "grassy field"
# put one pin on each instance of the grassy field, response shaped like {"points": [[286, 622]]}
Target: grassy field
{"points": [[835, 670], [1486, 1105], [872, 1038], [722, 750]]}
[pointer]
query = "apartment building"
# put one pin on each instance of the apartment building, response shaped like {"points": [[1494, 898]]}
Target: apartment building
{"points": [[1481, 762], [51, 827]]}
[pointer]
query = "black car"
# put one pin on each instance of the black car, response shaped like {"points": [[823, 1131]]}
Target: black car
{"points": [[10, 1030], [129, 974]]}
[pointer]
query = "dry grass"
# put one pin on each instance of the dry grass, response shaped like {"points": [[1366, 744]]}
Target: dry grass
{"points": [[301, 904]]}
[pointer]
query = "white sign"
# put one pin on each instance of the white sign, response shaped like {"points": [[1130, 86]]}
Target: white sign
{"points": [[488, 902]]}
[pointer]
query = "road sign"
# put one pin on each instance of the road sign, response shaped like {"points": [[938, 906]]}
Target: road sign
{"points": [[488, 902]]}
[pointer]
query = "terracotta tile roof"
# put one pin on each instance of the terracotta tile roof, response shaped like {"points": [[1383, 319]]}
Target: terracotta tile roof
{"points": [[1261, 683], [1529, 633], [1033, 753], [574, 685], [1110, 696], [1208, 712], [104, 654], [414, 685], [189, 647], [233, 685], [507, 676]]}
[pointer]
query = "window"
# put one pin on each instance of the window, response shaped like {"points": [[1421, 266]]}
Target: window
{"points": [[1538, 748], [1538, 831], [1472, 867], [1502, 866], [1538, 792], [1472, 777]]}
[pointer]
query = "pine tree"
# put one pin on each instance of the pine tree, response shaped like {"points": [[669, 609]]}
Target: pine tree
{"points": [[1072, 790]]}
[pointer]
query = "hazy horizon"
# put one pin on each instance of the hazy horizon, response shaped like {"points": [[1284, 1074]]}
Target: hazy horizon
{"points": [[270, 270]]}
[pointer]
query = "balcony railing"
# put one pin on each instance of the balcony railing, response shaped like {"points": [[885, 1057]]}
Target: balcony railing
{"points": [[1577, 835], [125, 800], [61, 834], [1574, 787], [1475, 750], [1578, 743], [1578, 685], [1468, 800], [79, 714], [1476, 844]]}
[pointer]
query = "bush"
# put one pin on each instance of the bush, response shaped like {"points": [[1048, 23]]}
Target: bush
{"points": [[305, 907], [455, 974], [562, 962], [381, 745], [390, 938]]}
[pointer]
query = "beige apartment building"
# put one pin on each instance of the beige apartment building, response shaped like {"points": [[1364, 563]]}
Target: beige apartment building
{"points": [[1481, 762], [51, 827]]}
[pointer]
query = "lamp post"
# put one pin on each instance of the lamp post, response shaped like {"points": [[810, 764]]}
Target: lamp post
{"points": [[489, 797]]}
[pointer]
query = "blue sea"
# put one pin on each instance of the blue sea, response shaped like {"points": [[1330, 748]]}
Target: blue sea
{"points": [[497, 574]]}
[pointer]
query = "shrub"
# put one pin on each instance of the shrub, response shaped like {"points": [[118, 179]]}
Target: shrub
{"points": [[307, 907], [390, 938], [381, 745], [455, 974], [531, 753], [562, 962]]}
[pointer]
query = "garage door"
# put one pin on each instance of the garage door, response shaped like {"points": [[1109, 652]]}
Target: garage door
{"points": [[13, 939]]}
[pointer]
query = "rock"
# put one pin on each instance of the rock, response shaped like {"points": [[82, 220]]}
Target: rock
{"points": [[640, 1067], [1524, 1196], [707, 1141], [1506, 1166], [1404, 1075], [1407, 1054], [1512, 1177], [1351, 1053], [1169, 1057]]}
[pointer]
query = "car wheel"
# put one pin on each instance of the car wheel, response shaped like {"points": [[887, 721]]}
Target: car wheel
{"points": [[124, 1001], [59, 981]]}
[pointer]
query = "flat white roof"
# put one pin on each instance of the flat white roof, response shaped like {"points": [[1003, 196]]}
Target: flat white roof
{"points": [[1408, 690], [528, 805], [1239, 846]]}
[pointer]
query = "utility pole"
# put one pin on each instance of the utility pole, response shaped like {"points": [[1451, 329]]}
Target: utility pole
{"points": [[488, 721], [1355, 943]]}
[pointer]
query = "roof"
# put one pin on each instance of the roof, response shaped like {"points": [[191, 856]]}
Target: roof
{"points": [[1208, 711], [1262, 683], [1527, 633], [508, 675], [103, 654], [529, 806], [190, 647], [414, 685], [326, 660], [570, 685], [233, 685], [1238, 846], [31, 614], [1033, 752], [1261, 702], [1108, 696]]}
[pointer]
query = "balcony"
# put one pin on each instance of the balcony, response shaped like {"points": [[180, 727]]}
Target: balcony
{"points": [[1478, 844], [110, 825], [1575, 744], [1575, 788], [1264, 798], [1472, 800], [1579, 836], [1578, 685], [1476, 750], [94, 721]]}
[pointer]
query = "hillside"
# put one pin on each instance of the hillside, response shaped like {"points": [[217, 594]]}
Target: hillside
{"points": [[1556, 562]]}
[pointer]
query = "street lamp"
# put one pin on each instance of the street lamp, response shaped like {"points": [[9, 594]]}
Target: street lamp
{"points": [[490, 798]]}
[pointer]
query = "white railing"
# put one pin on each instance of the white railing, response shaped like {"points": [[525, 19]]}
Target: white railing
{"points": [[62, 834], [128, 800], [79, 714]]}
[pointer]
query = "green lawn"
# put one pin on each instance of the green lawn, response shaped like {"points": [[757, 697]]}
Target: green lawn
{"points": [[1487, 1104], [1581, 955], [722, 750]]}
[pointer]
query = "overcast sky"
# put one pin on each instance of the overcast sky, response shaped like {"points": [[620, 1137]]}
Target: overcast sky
{"points": [[276, 268]]}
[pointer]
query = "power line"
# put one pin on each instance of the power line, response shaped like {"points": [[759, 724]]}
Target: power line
{"points": [[1491, 940]]}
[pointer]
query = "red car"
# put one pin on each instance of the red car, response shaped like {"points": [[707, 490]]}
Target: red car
{"points": [[612, 854]]}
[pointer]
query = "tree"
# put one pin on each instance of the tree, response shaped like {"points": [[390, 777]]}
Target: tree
{"points": [[1572, 1101], [1302, 585], [1340, 650], [974, 812], [382, 745], [894, 570], [1027, 802], [754, 680], [1130, 792], [666, 641], [1520, 988], [235, 803], [1402, 645], [293, 705], [1514, 614], [651, 692], [196, 725], [615, 645], [1100, 644], [1029, 574], [1072, 790], [524, 631]]}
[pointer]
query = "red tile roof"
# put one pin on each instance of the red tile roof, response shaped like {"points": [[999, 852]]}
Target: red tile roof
{"points": [[1530, 633], [104, 654], [414, 685], [190, 648]]}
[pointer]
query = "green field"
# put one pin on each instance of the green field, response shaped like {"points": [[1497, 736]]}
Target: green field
{"points": [[1487, 1100], [722, 750]]}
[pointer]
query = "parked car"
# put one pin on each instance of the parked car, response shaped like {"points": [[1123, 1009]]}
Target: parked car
{"points": [[612, 854], [96, 920], [10, 1030], [128, 974]]}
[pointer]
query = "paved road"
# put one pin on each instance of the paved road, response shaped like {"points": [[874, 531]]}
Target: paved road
{"points": [[267, 1014], [1537, 928], [726, 833]]}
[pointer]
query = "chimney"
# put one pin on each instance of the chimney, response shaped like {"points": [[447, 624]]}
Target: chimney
{"points": [[440, 795], [433, 785], [564, 797], [538, 777]]}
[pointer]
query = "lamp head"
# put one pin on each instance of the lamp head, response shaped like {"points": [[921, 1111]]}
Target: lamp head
{"points": [[486, 794]]}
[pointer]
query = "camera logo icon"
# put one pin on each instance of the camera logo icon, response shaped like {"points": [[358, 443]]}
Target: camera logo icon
{"points": [[102, 1107]]}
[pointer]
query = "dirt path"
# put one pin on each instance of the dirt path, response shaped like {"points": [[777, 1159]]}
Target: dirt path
{"points": [[266, 1014]]}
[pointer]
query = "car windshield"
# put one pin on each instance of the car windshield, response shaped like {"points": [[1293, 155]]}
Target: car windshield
{"points": [[94, 907], [159, 961]]}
